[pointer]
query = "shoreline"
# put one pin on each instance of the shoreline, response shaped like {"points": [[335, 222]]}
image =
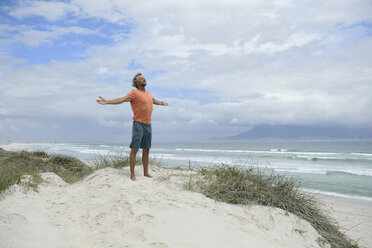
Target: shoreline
{"points": [[337, 195], [13, 146], [353, 215]]}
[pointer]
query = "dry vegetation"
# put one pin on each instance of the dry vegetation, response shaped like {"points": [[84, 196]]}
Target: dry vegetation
{"points": [[238, 185], [14, 166]]}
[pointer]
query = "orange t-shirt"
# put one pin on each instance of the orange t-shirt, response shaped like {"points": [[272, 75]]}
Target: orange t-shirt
{"points": [[141, 103]]}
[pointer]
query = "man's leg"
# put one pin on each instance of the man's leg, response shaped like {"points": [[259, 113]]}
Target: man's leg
{"points": [[145, 162], [132, 163]]}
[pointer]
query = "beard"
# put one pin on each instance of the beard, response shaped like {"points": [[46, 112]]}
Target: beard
{"points": [[143, 84]]}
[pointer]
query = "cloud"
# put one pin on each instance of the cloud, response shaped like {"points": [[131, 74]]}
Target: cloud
{"points": [[35, 38], [51, 11], [234, 121], [102, 70], [225, 66]]}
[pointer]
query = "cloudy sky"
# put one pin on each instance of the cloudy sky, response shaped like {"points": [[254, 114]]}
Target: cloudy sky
{"points": [[223, 66]]}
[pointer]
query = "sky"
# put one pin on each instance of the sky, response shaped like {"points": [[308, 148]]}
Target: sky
{"points": [[223, 66]]}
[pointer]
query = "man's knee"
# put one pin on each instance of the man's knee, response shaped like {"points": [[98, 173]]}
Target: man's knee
{"points": [[134, 151], [146, 151]]}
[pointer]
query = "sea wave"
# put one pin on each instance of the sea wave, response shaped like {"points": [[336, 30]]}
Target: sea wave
{"points": [[206, 157], [94, 151], [204, 160], [361, 154], [311, 158], [366, 198], [284, 154], [319, 170], [348, 172], [296, 168], [272, 151]]}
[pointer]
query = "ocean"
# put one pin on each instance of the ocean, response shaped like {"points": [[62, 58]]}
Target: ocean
{"points": [[340, 168]]}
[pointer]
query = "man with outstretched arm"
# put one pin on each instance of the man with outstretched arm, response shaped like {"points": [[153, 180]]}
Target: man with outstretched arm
{"points": [[141, 102]]}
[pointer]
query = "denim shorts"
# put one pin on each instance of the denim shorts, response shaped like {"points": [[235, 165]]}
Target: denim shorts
{"points": [[141, 135]]}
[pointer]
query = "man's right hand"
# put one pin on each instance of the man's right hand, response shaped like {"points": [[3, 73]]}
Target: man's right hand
{"points": [[101, 101]]}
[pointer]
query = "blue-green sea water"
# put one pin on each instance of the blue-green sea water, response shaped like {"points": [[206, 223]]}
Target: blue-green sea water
{"points": [[342, 168]]}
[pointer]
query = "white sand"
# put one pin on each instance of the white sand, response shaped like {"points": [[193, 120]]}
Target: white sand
{"points": [[107, 209], [353, 215]]}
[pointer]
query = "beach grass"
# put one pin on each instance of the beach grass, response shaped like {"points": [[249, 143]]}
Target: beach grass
{"points": [[111, 160], [247, 186], [15, 167], [118, 160]]}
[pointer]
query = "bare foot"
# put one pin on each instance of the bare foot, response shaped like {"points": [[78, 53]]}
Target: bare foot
{"points": [[133, 178], [148, 175]]}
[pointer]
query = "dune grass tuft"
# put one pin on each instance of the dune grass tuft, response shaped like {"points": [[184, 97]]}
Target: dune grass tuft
{"points": [[111, 160], [117, 160], [237, 185], [15, 165], [40, 154]]}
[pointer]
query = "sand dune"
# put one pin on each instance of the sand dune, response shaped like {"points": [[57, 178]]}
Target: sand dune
{"points": [[107, 209]]}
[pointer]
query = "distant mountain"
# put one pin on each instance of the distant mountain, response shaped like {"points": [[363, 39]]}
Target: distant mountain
{"points": [[302, 132]]}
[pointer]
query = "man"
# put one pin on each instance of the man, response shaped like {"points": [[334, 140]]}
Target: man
{"points": [[141, 102]]}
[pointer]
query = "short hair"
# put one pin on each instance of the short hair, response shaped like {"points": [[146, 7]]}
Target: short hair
{"points": [[134, 81]]}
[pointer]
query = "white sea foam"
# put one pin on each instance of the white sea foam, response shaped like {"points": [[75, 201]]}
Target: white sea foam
{"points": [[278, 150], [94, 151], [303, 170], [202, 160], [361, 154], [337, 194], [324, 158], [359, 172], [272, 151]]}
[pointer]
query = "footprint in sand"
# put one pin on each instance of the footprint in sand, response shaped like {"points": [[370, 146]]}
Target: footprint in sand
{"points": [[117, 224], [143, 202], [135, 234], [144, 218], [237, 218], [153, 205], [100, 218], [159, 245], [13, 219], [122, 208]]}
